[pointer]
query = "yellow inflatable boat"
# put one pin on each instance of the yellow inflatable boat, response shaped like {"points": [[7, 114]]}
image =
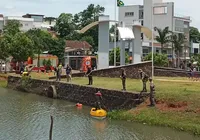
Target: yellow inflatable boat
{"points": [[25, 74], [100, 113]]}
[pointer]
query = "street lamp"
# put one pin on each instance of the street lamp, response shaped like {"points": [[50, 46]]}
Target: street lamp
{"points": [[115, 33], [152, 37]]}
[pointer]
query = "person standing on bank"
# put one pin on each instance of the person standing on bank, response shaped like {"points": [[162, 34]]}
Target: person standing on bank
{"points": [[68, 73], [144, 78], [123, 78], [58, 72], [152, 92], [89, 75]]}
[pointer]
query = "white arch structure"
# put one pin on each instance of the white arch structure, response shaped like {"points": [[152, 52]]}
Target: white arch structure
{"points": [[103, 47]]}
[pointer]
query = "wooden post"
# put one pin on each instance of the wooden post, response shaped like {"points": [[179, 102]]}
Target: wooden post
{"points": [[51, 129]]}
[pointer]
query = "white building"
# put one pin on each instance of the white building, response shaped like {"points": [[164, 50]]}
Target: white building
{"points": [[163, 16], [26, 23], [1, 23]]}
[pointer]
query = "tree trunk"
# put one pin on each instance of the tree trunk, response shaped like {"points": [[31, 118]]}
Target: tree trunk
{"points": [[178, 59], [0, 66], [38, 63], [5, 66], [161, 48], [173, 65]]}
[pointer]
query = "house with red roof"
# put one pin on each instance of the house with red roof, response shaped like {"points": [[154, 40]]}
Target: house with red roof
{"points": [[76, 52]]}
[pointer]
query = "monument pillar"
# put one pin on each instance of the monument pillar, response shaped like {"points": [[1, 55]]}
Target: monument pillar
{"points": [[103, 47], [122, 52], [122, 48], [137, 45]]}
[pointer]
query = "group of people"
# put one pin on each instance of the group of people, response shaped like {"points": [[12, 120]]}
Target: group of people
{"points": [[68, 69], [144, 77], [58, 71]]}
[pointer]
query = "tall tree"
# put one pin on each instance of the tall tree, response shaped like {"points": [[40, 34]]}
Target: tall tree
{"points": [[88, 39], [12, 27], [57, 48], [163, 36], [178, 42], [86, 17], [64, 25], [4, 50], [41, 42], [21, 47], [194, 35]]}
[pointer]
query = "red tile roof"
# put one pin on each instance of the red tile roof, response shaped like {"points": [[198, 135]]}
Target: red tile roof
{"points": [[77, 44]]}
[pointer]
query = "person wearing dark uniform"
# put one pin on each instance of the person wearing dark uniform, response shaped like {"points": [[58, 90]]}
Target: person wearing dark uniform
{"points": [[144, 78], [98, 102], [152, 92], [89, 74], [68, 73], [58, 71], [123, 77]]}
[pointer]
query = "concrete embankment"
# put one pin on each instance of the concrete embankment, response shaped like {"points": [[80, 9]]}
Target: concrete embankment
{"points": [[112, 99]]}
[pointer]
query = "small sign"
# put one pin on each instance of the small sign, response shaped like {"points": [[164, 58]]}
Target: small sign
{"points": [[87, 62]]}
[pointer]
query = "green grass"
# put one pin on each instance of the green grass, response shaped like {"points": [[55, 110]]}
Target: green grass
{"points": [[181, 121], [167, 91], [172, 91], [3, 83]]}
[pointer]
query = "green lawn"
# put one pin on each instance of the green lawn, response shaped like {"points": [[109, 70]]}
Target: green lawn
{"points": [[173, 91]]}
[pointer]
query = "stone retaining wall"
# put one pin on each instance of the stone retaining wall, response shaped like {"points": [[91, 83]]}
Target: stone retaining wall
{"points": [[112, 99]]}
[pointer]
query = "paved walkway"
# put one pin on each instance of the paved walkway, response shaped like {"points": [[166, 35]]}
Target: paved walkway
{"points": [[183, 81]]}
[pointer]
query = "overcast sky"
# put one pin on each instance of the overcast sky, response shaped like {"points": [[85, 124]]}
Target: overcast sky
{"points": [[55, 7]]}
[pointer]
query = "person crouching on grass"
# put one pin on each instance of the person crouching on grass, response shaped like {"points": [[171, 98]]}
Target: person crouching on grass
{"points": [[123, 78]]}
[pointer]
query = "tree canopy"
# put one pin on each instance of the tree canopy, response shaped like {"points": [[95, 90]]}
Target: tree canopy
{"points": [[163, 36], [64, 25], [160, 60], [194, 35]]}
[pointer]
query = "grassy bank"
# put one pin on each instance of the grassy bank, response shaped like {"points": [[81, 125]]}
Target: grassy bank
{"points": [[178, 103], [3, 83]]}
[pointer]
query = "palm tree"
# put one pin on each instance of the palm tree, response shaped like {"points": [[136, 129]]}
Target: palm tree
{"points": [[163, 36], [178, 41]]}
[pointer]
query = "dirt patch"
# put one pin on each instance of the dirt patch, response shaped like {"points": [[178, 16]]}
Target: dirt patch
{"points": [[163, 106], [175, 106]]}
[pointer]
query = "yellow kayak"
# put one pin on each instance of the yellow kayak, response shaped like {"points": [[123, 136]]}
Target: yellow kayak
{"points": [[100, 113]]}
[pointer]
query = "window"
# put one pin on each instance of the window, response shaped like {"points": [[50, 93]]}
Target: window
{"points": [[129, 14], [26, 24], [164, 51], [141, 36], [145, 51], [157, 51], [196, 50], [141, 14], [160, 10], [37, 18], [142, 22]]}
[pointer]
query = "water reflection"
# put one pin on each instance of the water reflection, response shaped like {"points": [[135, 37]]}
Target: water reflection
{"points": [[26, 116]]}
